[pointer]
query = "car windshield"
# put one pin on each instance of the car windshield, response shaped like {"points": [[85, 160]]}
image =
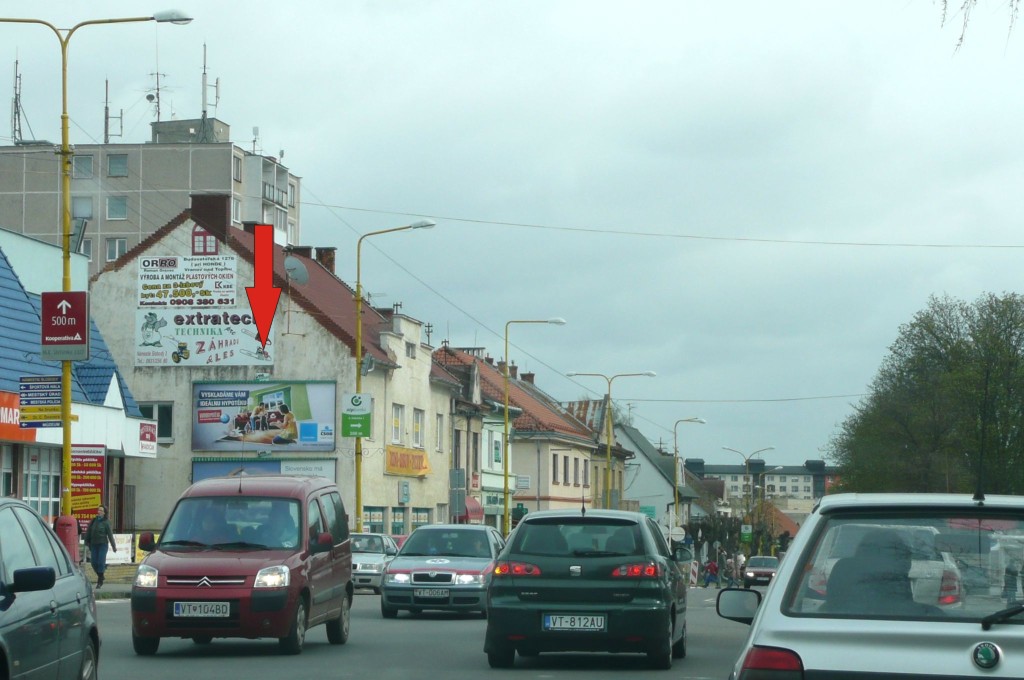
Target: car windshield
{"points": [[762, 562], [367, 544], [943, 565], [446, 542], [235, 522], [579, 537]]}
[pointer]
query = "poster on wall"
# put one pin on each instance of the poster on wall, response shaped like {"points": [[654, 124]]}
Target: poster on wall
{"points": [[316, 467], [88, 471], [294, 416], [182, 281], [200, 337]]}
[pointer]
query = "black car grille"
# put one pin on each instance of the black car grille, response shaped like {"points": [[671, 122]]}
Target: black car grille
{"points": [[432, 577], [206, 581]]}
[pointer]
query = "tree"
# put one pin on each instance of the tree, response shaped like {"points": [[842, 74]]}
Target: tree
{"points": [[945, 411], [967, 6]]}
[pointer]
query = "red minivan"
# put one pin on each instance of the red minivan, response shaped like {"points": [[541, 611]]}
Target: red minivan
{"points": [[251, 556]]}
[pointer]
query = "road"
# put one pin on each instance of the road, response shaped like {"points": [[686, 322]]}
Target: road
{"points": [[431, 645]]}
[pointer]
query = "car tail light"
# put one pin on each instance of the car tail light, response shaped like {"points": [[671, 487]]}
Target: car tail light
{"points": [[641, 570], [516, 569], [949, 588], [772, 662]]}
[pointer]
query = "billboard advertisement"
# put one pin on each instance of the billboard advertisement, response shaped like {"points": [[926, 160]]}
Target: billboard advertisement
{"points": [[88, 472], [199, 337], [282, 416], [181, 281]]}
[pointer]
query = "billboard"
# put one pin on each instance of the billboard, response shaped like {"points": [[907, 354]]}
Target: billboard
{"points": [[297, 416], [182, 281], [88, 480], [199, 337]]}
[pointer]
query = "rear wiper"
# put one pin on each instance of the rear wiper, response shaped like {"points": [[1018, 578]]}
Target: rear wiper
{"points": [[596, 553], [1002, 615]]}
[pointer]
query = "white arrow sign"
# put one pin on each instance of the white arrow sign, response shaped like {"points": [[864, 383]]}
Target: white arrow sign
{"points": [[64, 306]]}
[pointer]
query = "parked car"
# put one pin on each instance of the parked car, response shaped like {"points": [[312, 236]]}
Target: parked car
{"points": [[594, 581], [867, 613], [441, 566], [48, 617], [370, 554], [247, 557], [760, 570]]}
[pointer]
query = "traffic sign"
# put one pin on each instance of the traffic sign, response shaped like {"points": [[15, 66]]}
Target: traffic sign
{"points": [[357, 415], [65, 326], [39, 398]]}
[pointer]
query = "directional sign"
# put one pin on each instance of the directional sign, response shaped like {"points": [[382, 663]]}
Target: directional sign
{"points": [[65, 326], [356, 415], [40, 401]]}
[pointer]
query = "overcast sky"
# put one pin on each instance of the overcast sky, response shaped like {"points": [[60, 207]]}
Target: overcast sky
{"points": [[747, 198]]}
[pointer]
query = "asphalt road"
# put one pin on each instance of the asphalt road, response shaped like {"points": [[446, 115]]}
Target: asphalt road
{"points": [[429, 646]]}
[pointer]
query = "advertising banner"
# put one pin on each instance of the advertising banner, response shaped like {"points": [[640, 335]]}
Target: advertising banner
{"points": [[182, 281], [88, 470], [199, 337], [125, 549], [294, 416], [406, 462], [147, 439], [10, 419]]}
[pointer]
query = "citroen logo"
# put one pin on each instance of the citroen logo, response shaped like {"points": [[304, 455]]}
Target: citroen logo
{"points": [[204, 582], [986, 655]]}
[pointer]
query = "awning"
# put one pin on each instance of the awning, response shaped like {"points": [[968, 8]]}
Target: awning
{"points": [[472, 511]]}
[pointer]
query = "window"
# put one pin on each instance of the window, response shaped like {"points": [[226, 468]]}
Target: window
{"points": [[86, 248], [236, 168], [203, 242], [117, 207], [117, 165], [440, 432], [565, 469], [554, 468], [734, 478], [497, 449], [807, 489], [576, 471], [81, 167], [316, 525], [373, 519], [81, 207], [410, 350], [7, 470], [782, 489], [116, 247], [40, 470], [236, 210], [334, 513], [586, 474], [420, 516], [397, 415], [476, 451], [398, 521], [17, 550], [161, 413], [457, 449], [292, 190], [419, 418]]}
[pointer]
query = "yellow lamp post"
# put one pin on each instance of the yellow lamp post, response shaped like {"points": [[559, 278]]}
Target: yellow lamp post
{"points": [[64, 37], [507, 523], [422, 224], [675, 464], [608, 422], [746, 464]]}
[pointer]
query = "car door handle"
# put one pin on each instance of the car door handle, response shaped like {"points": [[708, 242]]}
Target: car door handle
{"points": [[53, 607]]}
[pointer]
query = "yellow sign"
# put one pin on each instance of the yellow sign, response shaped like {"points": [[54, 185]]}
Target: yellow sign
{"points": [[406, 462]]}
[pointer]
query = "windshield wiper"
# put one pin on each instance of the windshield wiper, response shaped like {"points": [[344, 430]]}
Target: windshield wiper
{"points": [[164, 544], [240, 544], [1002, 615]]}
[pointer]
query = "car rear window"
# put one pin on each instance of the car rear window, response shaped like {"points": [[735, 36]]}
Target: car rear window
{"points": [[579, 537], [943, 565]]}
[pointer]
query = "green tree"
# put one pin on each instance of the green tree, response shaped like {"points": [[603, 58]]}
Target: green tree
{"points": [[945, 411]]}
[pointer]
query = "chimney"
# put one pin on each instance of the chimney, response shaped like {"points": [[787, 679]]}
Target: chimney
{"points": [[304, 251], [325, 256], [501, 367], [489, 360], [528, 377], [213, 213], [513, 370]]}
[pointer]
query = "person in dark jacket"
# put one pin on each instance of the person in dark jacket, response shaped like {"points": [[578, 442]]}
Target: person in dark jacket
{"points": [[97, 537]]}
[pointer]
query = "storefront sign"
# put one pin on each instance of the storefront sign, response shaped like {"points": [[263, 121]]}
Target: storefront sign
{"points": [[88, 471], [199, 337], [407, 462], [147, 439], [10, 419], [197, 281]]}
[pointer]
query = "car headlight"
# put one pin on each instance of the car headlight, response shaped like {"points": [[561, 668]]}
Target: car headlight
{"points": [[396, 578], [469, 579], [146, 576], [273, 577], [750, 574], [372, 566]]}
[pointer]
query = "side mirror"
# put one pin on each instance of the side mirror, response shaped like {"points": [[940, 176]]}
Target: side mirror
{"points": [[390, 551], [682, 554], [323, 543], [32, 579], [147, 542], [738, 604]]}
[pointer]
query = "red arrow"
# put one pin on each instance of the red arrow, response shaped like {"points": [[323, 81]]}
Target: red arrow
{"points": [[263, 296]]}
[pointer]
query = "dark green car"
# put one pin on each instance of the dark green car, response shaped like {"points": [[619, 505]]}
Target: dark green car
{"points": [[593, 581]]}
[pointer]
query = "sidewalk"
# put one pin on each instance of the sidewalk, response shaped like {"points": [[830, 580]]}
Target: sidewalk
{"points": [[118, 581]]}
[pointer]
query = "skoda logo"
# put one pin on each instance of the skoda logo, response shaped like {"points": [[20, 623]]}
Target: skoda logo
{"points": [[437, 560], [986, 655]]}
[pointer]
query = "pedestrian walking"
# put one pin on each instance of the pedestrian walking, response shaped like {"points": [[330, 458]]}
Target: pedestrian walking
{"points": [[711, 573], [97, 536]]}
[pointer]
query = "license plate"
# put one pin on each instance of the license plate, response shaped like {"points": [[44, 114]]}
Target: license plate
{"points": [[202, 609], [574, 622], [430, 592]]}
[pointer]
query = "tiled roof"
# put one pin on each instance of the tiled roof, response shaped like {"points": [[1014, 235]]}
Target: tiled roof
{"points": [[538, 412]]}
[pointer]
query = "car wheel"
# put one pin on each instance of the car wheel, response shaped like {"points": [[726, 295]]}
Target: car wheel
{"points": [[661, 657], [376, 591], [145, 646], [202, 639], [415, 611], [504, 657], [292, 644], [337, 630], [679, 648], [388, 612], [89, 670]]}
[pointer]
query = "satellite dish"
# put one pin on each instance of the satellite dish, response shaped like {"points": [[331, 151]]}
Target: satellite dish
{"points": [[296, 270]]}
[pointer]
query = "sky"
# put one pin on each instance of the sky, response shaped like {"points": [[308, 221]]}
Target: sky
{"points": [[748, 199]]}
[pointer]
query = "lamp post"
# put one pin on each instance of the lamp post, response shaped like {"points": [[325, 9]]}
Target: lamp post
{"points": [[422, 224], [67, 534], [608, 422], [675, 464], [746, 464], [558, 321]]}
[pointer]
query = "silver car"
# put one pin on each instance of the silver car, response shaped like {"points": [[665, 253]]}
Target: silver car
{"points": [[370, 554], [871, 585]]}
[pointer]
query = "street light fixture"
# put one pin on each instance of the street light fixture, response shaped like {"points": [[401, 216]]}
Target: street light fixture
{"points": [[421, 224], [675, 464], [557, 321], [608, 421], [66, 521], [746, 464]]}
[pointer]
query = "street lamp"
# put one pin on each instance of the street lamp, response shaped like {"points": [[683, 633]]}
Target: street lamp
{"points": [[608, 421], [66, 521], [557, 321], [675, 464], [746, 464], [422, 224]]}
